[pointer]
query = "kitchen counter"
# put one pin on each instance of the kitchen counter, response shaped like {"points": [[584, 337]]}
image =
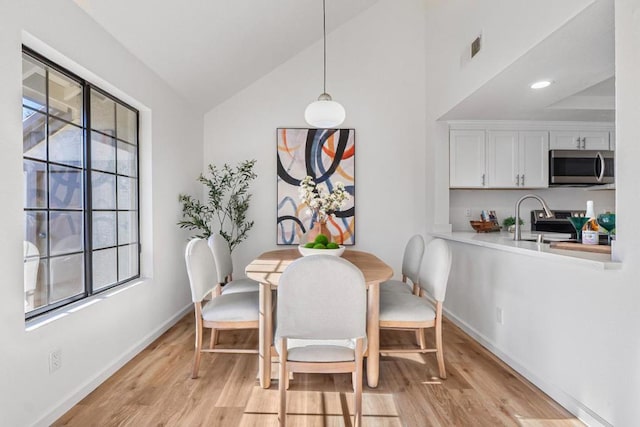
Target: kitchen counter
{"points": [[504, 242]]}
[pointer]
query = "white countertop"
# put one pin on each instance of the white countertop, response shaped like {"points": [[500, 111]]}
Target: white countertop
{"points": [[504, 242]]}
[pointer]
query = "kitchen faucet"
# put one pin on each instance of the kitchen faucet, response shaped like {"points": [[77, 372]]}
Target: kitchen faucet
{"points": [[547, 213]]}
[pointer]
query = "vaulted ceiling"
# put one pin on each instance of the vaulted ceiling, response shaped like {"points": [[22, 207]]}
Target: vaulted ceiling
{"points": [[207, 50]]}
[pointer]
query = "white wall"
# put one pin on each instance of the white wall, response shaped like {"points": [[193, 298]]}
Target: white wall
{"points": [[96, 339], [509, 28], [376, 69], [571, 331]]}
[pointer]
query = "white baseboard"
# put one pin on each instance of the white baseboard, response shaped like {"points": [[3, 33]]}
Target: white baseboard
{"points": [[70, 401], [570, 403]]}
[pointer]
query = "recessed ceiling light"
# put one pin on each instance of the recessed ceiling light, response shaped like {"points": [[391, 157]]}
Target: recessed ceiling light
{"points": [[541, 84]]}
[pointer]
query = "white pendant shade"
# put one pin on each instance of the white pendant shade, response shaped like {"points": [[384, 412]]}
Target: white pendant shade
{"points": [[325, 114]]}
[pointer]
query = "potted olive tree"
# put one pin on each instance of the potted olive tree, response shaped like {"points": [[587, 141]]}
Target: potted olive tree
{"points": [[225, 210]]}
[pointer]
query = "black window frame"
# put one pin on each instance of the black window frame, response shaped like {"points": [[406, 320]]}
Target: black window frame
{"points": [[87, 170]]}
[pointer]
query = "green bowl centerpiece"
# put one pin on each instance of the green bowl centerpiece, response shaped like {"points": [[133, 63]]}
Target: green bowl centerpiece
{"points": [[321, 245]]}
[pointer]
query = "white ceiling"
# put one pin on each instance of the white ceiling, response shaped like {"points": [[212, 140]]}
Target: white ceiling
{"points": [[208, 50], [578, 58]]}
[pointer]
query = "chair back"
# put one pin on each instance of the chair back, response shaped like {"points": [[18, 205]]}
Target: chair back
{"points": [[321, 297], [434, 273], [222, 255], [200, 268], [412, 258]]}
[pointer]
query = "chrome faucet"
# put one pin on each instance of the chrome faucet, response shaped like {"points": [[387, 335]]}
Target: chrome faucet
{"points": [[547, 213]]}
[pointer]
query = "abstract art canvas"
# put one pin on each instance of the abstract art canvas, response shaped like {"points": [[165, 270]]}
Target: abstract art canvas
{"points": [[328, 156]]}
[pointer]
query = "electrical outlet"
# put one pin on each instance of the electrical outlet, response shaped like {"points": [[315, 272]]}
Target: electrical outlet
{"points": [[499, 316], [55, 360], [467, 212]]}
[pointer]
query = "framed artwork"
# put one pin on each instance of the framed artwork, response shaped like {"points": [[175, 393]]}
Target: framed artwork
{"points": [[328, 156]]}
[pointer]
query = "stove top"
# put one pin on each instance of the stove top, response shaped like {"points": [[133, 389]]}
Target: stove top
{"points": [[559, 223], [537, 216]]}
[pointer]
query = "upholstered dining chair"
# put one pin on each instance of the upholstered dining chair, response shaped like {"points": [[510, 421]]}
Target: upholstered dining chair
{"points": [[321, 322], [230, 311], [224, 267], [413, 252], [407, 311]]}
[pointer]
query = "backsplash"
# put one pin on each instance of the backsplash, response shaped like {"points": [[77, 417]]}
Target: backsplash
{"points": [[504, 202]]}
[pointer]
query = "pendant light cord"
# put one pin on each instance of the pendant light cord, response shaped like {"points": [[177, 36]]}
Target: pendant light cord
{"points": [[324, 32]]}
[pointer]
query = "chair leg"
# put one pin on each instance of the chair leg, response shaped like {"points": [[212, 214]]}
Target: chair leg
{"points": [[439, 350], [198, 345], [283, 379], [358, 384], [420, 340], [214, 338]]}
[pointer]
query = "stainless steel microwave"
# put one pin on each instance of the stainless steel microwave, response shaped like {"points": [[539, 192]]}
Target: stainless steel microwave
{"points": [[581, 167]]}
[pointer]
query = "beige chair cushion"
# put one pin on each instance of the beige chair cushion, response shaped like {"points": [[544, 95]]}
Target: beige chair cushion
{"points": [[240, 285], [238, 307], [321, 353], [320, 350], [396, 286], [399, 307]]}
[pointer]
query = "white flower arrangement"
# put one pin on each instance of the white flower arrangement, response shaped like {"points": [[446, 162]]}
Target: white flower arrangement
{"points": [[319, 200]]}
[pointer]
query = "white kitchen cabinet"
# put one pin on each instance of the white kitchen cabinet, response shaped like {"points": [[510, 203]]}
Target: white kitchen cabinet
{"points": [[502, 159], [579, 140], [467, 159], [517, 159], [534, 159]]}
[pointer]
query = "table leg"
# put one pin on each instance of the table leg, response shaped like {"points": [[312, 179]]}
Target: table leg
{"points": [[265, 335], [373, 335]]}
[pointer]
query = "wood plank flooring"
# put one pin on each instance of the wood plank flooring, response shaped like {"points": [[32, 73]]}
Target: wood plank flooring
{"points": [[155, 389]]}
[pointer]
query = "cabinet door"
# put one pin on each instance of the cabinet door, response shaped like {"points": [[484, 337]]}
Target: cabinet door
{"points": [[502, 159], [595, 140], [565, 140], [533, 152], [576, 140], [466, 159]]}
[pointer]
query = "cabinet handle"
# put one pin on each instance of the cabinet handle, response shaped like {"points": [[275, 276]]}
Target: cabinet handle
{"points": [[483, 180], [584, 142], [578, 144], [522, 179], [517, 180]]}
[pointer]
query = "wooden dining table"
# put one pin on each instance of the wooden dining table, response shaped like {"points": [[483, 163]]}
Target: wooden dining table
{"points": [[267, 269]]}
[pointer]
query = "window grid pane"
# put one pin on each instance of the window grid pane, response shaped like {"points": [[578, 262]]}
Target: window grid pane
{"points": [[59, 267]]}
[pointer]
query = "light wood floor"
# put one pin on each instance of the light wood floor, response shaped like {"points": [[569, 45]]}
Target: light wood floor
{"points": [[155, 389]]}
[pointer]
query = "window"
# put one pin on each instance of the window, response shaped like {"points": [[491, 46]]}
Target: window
{"points": [[80, 171]]}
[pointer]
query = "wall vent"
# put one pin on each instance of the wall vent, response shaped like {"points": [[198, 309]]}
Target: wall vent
{"points": [[476, 45]]}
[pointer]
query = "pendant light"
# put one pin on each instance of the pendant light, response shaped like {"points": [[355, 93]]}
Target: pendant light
{"points": [[325, 112]]}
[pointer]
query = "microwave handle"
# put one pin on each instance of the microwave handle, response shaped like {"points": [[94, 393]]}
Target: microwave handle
{"points": [[600, 157]]}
